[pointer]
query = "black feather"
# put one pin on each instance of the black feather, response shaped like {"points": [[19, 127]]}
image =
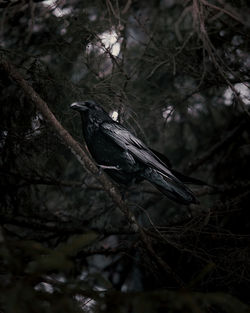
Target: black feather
{"points": [[126, 158]]}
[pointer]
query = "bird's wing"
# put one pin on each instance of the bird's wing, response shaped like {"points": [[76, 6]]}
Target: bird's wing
{"points": [[135, 146], [183, 178]]}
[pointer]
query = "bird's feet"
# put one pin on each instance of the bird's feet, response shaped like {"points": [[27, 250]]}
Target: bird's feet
{"points": [[108, 167]]}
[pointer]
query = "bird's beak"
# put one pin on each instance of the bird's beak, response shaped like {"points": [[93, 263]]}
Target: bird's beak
{"points": [[79, 106]]}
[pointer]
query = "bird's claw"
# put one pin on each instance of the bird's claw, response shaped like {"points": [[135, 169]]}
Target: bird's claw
{"points": [[109, 167]]}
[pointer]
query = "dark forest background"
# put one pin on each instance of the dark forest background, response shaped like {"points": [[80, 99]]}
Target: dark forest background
{"points": [[176, 73]]}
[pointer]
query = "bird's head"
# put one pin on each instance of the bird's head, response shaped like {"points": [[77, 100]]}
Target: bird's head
{"points": [[90, 110], [84, 106]]}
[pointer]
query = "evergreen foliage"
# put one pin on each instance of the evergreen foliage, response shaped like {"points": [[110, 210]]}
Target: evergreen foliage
{"points": [[177, 74]]}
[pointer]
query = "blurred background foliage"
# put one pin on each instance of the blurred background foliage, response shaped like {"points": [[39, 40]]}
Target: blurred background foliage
{"points": [[177, 74]]}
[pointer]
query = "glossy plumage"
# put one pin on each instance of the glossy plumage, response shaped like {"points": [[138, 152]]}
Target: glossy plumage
{"points": [[125, 158]]}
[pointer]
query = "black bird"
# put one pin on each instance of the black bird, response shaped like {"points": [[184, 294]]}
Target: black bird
{"points": [[126, 158]]}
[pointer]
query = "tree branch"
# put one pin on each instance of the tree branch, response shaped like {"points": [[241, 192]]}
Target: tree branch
{"points": [[87, 163], [216, 148], [69, 141]]}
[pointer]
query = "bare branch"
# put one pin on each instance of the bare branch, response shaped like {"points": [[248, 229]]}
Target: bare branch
{"points": [[87, 163], [69, 141], [210, 153], [233, 15]]}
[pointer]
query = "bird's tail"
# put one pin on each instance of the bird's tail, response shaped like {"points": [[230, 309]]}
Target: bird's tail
{"points": [[187, 179], [170, 186]]}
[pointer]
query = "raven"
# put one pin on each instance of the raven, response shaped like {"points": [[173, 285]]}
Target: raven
{"points": [[126, 159]]}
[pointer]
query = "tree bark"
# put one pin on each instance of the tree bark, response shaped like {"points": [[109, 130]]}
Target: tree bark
{"points": [[67, 139], [87, 163]]}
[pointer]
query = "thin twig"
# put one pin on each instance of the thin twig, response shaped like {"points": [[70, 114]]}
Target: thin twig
{"points": [[86, 162], [207, 155], [231, 14]]}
